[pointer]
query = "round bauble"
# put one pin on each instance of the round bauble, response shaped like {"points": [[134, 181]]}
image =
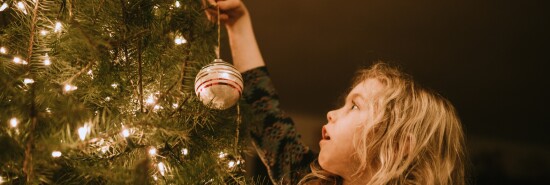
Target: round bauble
{"points": [[219, 85]]}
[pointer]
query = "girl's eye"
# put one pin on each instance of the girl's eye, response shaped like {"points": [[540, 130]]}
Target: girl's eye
{"points": [[354, 106]]}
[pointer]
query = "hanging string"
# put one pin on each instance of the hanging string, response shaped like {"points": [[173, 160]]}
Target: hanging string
{"points": [[219, 30], [237, 129]]}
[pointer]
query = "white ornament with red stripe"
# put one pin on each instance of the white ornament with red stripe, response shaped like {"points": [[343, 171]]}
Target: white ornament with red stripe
{"points": [[219, 85]]}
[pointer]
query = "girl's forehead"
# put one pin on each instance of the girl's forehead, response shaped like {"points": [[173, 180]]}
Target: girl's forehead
{"points": [[366, 88]]}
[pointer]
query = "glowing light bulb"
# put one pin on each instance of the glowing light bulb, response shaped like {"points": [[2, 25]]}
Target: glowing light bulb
{"points": [[83, 131], [14, 122], [43, 32], [3, 50], [150, 100], [231, 164], [222, 155], [28, 81], [180, 40], [58, 27], [3, 7], [21, 7], [56, 154], [162, 168], [184, 151], [17, 60], [47, 61], [69, 88], [178, 4], [153, 151], [125, 133]]}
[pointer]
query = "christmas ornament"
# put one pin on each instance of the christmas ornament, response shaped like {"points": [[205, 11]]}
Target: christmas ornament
{"points": [[219, 85]]}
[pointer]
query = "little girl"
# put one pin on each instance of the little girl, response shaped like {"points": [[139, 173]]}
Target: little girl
{"points": [[389, 131]]}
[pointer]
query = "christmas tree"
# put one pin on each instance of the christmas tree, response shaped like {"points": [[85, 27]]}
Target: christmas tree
{"points": [[101, 92]]}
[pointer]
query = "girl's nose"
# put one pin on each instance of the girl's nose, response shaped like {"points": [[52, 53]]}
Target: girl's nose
{"points": [[330, 116]]}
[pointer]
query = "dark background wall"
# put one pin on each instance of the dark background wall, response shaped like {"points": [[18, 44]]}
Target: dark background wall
{"points": [[489, 57]]}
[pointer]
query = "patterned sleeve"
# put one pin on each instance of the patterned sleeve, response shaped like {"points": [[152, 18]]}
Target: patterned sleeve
{"points": [[276, 141]]}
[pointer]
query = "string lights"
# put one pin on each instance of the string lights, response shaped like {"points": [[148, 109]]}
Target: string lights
{"points": [[84, 131], [152, 151], [3, 7], [58, 27], [44, 32], [14, 122], [21, 7], [27, 81], [47, 61], [69, 88], [162, 168], [125, 133], [150, 100], [180, 40], [56, 154], [18, 60]]}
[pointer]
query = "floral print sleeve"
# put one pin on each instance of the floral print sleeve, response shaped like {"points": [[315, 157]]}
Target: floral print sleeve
{"points": [[276, 141]]}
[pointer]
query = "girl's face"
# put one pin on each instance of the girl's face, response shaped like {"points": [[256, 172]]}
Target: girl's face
{"points": [[337, 149]]}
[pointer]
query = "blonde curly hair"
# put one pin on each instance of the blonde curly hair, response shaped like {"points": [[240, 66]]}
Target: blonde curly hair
{"points": [[417, 137]]}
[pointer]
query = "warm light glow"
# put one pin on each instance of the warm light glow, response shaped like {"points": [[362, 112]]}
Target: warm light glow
{"points": [[184, 151], [162, 168], [48, 110], [180, 40], [17, 60], [69, 87], [14, 122], [157, 107], [114, 85], [222, 155], [175, 105], [178, 4], [153, 151], [3, 50], [58, 27], [150, 100], [108, 98], [3, 7], [125, 133], [21, 7], [43, 32], [1, 179], [47, 61], [84, 131], [231, 164], [28, 81], [56, 154]]}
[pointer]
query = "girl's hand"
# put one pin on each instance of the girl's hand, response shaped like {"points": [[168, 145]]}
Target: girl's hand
{"points": [[231, 11]]}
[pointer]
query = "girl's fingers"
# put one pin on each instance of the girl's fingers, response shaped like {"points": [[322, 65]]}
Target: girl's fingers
{"points": [[229, 5]]}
